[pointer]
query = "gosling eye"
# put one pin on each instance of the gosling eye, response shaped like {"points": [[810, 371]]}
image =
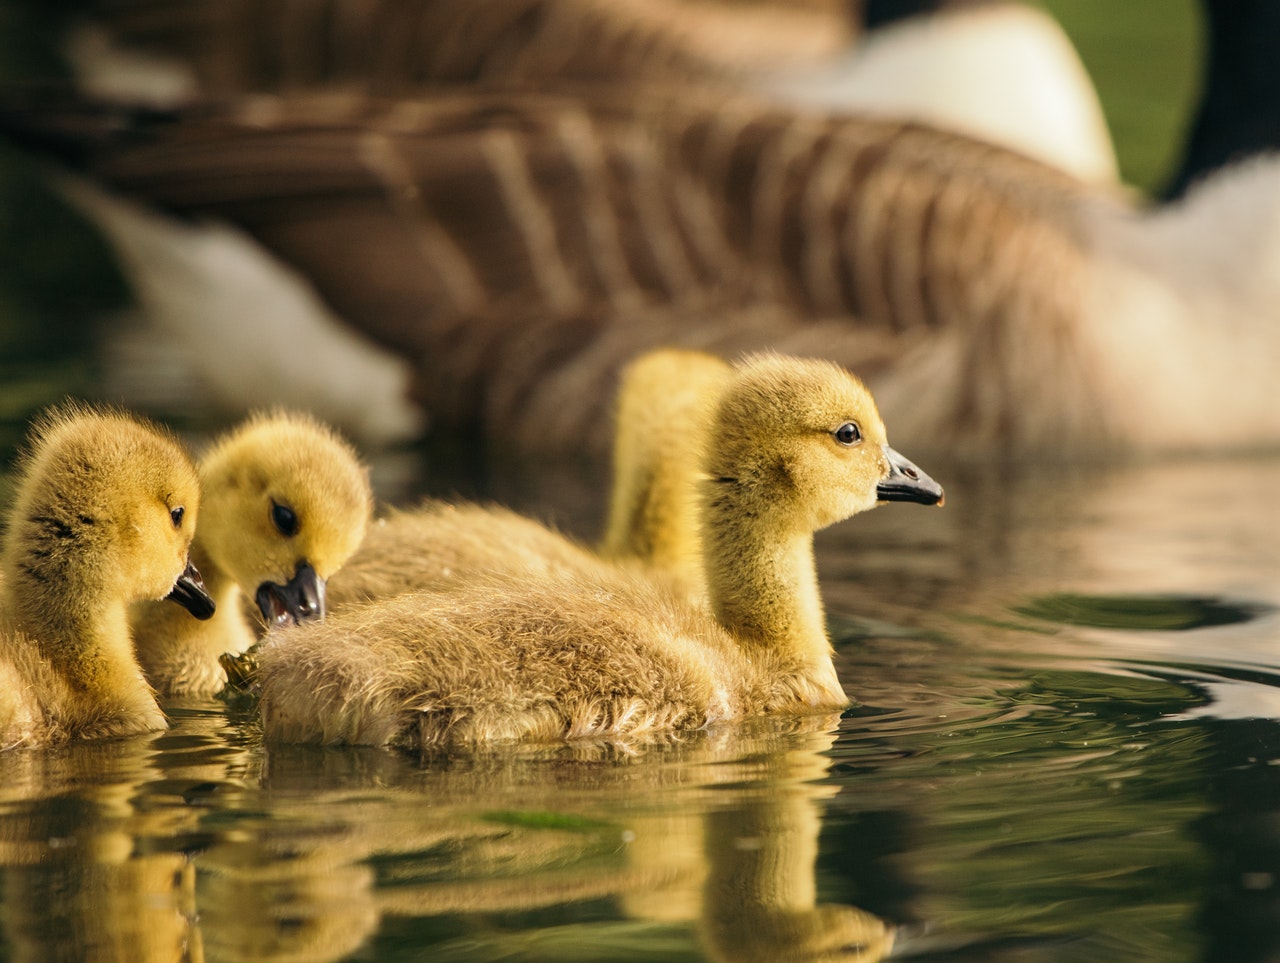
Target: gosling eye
{"points": [[176, 514], [285, 519], [848, 434]]}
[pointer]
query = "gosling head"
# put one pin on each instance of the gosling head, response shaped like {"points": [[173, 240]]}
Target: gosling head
{"points": [[804, 444], [287, 502], [105, 502]]}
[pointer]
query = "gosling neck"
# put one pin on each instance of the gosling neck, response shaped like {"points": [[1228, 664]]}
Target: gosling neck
{"points": [[166, 628], [762, 580]]}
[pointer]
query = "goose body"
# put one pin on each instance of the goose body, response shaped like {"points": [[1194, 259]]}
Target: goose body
{"points": [[793, 446], [483, 239], [441, 545], [286, 502], [1001, 72], [663, 402], [983, 296], [104, 515]]}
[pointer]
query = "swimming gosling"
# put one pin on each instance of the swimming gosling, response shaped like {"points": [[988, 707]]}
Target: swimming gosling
{"points": [[104, 515], [664, 399], [793, 446], [286, 503]]}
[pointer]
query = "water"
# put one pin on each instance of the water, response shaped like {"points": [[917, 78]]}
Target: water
{"points": [[1064, 748]]}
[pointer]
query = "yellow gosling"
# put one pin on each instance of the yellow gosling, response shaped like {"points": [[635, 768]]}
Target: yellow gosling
{"points": [[105, 510], [664, 400], [286, 503], [793, 446]]}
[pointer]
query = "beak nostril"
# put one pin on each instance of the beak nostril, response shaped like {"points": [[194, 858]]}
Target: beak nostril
{"points": [[911, 473]]}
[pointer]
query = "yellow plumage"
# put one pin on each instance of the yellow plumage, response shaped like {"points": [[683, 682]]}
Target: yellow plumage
{"points": [[273, 463]]}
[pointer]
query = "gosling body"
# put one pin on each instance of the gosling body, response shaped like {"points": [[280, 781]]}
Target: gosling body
{"points": [[104, 515], [793, 446], [287, 502]]}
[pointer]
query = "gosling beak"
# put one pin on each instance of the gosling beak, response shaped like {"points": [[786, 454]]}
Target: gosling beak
{"points": [[189, 592], [301, 599], [907, 483]]}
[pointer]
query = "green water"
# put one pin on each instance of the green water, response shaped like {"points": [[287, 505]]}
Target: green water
{"points": [[1064, 748]]}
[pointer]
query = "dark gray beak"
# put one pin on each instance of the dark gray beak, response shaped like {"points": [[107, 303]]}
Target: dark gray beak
{"points": [[907, 483], [189, 592], [301, 599]]}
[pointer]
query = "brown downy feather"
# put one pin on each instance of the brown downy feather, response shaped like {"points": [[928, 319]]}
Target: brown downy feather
{"points": [[521, 248]]}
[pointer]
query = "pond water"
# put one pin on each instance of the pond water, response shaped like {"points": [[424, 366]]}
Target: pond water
{"points": [[1064, 747]]}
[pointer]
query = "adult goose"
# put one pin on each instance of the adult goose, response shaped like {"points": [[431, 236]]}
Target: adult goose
{"points": [[487, 218]]}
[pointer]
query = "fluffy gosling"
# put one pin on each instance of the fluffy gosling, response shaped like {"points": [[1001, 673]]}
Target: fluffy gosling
{"points": [[793, 446], [104, 515], [286, 503]]}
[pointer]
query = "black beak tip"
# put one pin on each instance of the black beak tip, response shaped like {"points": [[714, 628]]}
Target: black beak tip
{"points": [[301, 599], [908, 483], [190, 593]]}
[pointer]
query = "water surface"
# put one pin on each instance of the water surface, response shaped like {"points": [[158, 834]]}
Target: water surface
{"points": [[1064, 747]]}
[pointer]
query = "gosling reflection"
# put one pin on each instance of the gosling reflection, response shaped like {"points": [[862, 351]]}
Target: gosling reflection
{"points": [[285, 898], [94, 841], [761, 898], [710, 842]]}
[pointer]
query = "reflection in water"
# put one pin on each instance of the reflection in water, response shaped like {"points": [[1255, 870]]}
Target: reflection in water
{"points": [[1138, 613], [761, 894], [716, 835], [91, 844], [194, 845]]}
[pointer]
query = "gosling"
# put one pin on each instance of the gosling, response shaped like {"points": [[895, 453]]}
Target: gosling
{"points": [[664, 400], [793, 446], [104, 515], [286, 503]]}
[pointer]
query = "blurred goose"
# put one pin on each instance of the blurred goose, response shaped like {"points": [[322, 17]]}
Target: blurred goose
{"points": [[794, 446], [104, 515], [663, 400], [286, 502], [215, 50], [1002, 71], [371, 274], [519, 249]]}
